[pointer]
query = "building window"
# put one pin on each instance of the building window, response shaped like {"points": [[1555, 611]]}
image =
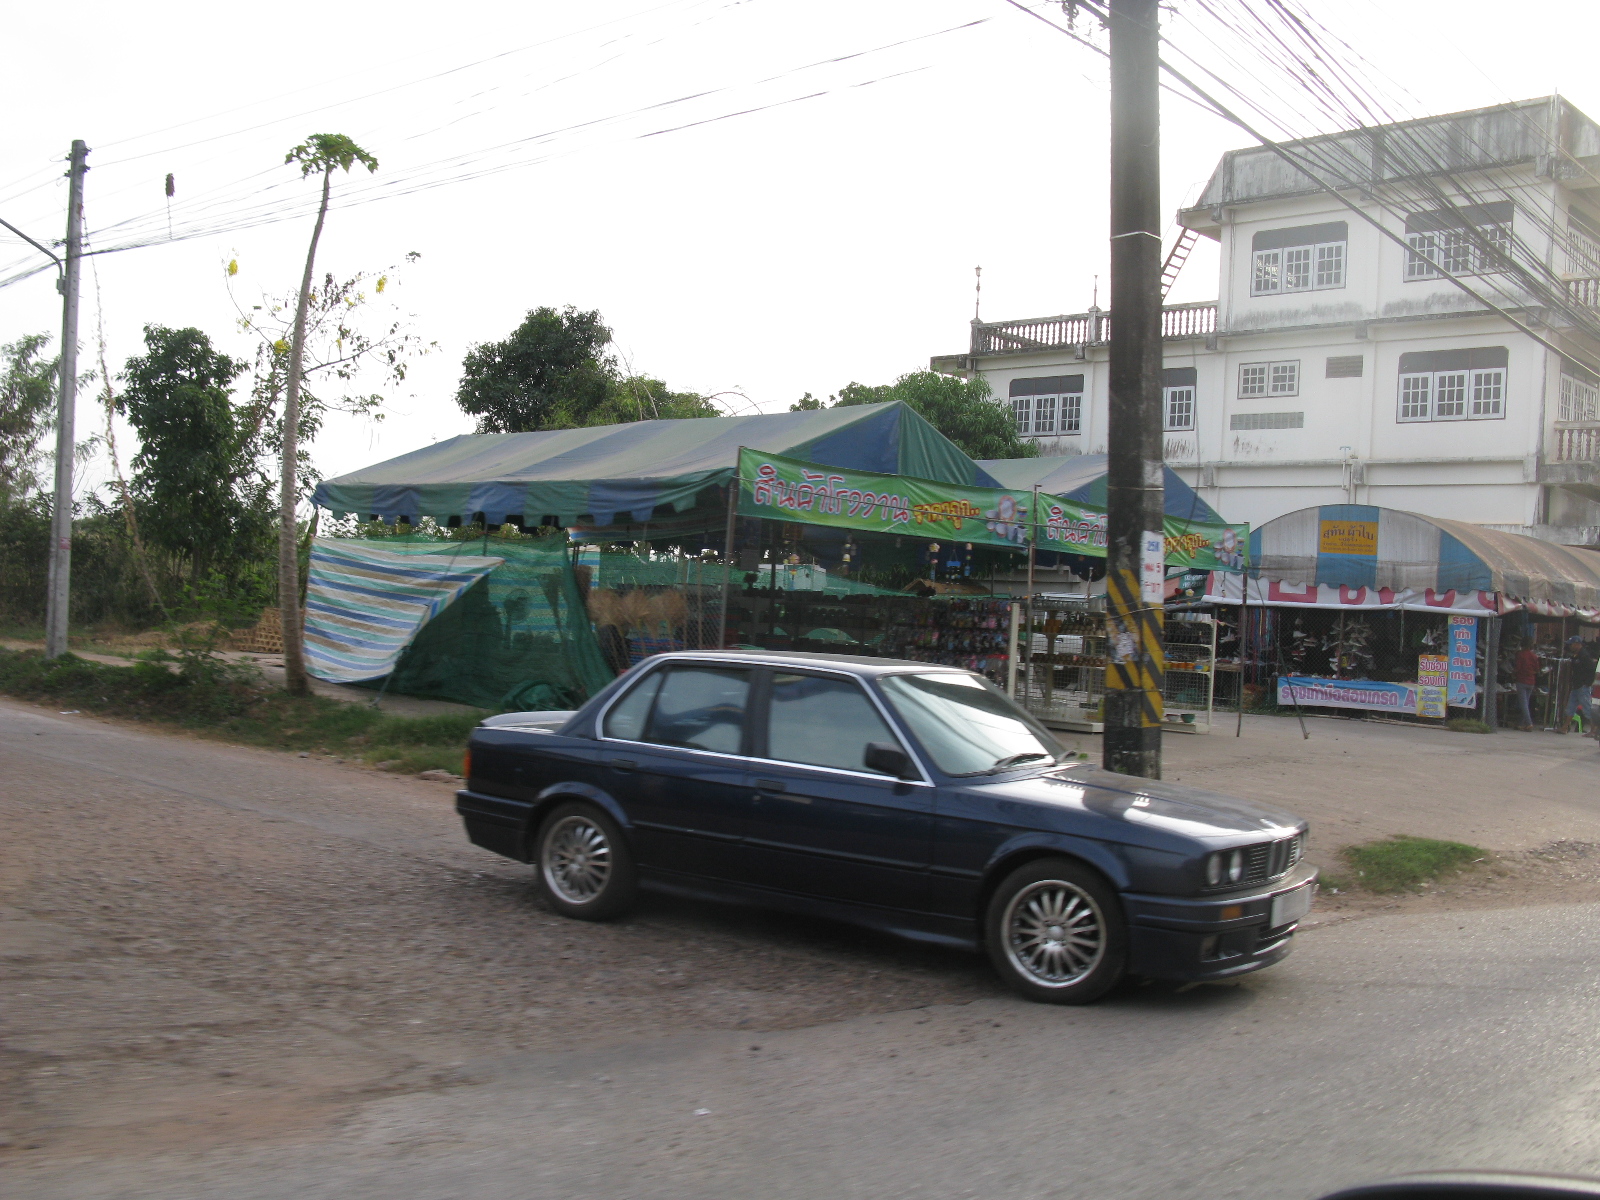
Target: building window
{"points": [[1583, 244], [1178, 404], [1287, 420], [1344, 366], [1453, 385], [1580, 395], [1301, 259], [1270, 379], [1179, 386], [1471, 239], [1048, 405]]}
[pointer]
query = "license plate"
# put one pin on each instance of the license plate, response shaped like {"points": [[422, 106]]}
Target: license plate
{"points": [[1291, 906]]}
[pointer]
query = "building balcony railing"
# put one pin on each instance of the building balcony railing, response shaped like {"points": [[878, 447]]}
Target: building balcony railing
{"points": [[1084, 329], [1584, 291], [1577, 442]]}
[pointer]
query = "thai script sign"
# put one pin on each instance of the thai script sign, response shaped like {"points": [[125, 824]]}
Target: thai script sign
{"points": [[1463, 685], [1370, 694], [789, 489], [1433, 670], [1349, 537]]}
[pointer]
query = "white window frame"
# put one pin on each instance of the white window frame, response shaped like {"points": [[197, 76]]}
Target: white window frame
{"points": [[1177, 407], [1461, 394], [1260, 379], [1314, 267], [1057, 414], [1456, 250], [1580, 399]]}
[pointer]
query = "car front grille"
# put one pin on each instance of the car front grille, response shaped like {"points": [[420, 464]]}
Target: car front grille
{"points": [[1269, 860]]}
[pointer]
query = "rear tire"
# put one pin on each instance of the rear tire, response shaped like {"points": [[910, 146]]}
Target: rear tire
{"points": [[1054, 932], [585, 867]]}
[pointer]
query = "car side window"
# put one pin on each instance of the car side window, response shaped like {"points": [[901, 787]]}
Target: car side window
{"points": [[627, 716], [822, 722], [702, 708]]}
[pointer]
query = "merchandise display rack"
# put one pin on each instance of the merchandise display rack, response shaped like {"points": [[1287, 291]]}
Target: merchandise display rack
{"points": [[1191, 674], [1061, 675]]}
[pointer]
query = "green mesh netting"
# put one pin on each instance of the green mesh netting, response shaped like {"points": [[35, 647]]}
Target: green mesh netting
{"points": [[519, 639]]}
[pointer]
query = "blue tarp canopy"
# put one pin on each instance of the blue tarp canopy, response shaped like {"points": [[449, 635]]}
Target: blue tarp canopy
{"points": [[1082, 477], [610, 473]]}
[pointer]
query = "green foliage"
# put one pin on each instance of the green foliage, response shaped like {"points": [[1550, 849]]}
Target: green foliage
{"points": [[325, 151], [1402, 863], [1467, 725], [961, 409], [553, 363], [225, 702], [200, 479], [555, 372], [27, 414], [809, 403]]}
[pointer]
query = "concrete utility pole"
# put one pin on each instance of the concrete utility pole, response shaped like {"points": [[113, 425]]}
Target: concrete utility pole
{"points": [[1135, 561], [56, 603]]}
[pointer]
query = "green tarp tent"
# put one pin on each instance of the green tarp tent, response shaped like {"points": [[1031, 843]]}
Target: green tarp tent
{"points": [[619, 473], [1082, 477]]}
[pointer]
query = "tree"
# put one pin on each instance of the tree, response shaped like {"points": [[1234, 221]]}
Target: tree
{"points": [[200, 479], [322, 152], [809, 403], [958, 408], [641, 398], [552, 367], [27, 414]]}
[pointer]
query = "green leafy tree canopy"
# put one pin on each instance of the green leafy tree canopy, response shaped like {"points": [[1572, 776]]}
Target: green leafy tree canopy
{"points": [[200, 479], [556, 371], [27, 413], [961, 409]]}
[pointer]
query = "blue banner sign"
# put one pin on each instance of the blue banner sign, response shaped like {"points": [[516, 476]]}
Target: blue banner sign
{"points": [[1463, 685], [1371, 694]]}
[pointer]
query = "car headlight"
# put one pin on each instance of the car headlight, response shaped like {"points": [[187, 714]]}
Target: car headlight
{"points": [[1224, 866]]}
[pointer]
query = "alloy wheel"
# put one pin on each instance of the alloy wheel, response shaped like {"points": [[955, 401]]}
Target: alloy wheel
{"points": [[577, 859], [1055, 934]]}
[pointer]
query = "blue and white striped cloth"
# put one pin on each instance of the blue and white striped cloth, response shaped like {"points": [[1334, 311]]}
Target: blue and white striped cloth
{"points": [[364, 603]]}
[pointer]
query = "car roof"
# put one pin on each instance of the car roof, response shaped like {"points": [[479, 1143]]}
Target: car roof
{"points": [[860, 664]]}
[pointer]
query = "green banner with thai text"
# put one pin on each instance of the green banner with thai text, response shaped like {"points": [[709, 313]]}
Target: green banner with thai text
{"points": [[790, 489]]}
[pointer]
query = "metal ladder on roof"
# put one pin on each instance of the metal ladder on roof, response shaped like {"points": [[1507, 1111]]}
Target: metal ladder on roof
{"points": [[1176, 257]]}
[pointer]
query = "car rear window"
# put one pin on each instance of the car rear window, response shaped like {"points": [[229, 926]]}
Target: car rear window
{"points": [[700, 707]]}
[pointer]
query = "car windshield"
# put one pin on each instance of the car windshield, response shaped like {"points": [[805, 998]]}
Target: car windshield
{"points": [[968, 726]]}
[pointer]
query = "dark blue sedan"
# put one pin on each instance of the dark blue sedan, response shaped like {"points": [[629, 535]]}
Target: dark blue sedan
{"points": [[905, 796]]}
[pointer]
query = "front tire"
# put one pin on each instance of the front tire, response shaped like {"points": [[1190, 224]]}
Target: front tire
{"points": [[1055, 934], [585, 867]]}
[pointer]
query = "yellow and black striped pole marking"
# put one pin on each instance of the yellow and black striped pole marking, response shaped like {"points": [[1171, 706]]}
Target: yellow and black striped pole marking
{"points": [[1136, 661]]}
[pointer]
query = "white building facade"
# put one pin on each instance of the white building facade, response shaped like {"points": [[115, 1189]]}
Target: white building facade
{"points": [[1340, 364]]}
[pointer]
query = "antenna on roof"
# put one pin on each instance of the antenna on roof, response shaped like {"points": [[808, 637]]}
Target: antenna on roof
{"points": [[1095, 303], [977, 295]]}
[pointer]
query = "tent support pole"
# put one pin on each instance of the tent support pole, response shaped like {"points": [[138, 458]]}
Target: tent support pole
{"points": [[728, 560], [1244, 613]]}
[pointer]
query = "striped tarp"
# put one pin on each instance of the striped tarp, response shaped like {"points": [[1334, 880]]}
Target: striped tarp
{"points": [[365, 603]]}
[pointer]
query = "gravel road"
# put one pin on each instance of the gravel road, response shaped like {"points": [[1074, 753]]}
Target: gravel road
{"points": [[212, 953]]}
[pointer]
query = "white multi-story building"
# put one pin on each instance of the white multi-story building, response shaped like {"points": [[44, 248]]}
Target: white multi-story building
{"points": [[1339, 363]]}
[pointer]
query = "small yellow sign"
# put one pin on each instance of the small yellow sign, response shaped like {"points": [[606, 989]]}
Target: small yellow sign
{"points": [[1349, 537]]}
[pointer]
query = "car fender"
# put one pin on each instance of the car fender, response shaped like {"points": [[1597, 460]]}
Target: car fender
{"points": [[1102, 856], [574, 790]]}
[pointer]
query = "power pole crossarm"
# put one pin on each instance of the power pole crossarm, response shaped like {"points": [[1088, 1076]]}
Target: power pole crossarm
{"points": [[60, 585], [1135, 562]]}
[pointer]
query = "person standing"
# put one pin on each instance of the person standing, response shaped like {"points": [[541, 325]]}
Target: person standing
{"points": [[1526, 671], [1584, 656]]}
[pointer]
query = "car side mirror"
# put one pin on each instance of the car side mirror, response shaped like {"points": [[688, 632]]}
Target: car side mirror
{"points": [[888, 758]]}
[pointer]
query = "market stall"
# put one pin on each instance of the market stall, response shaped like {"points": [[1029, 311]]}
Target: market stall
{"points": [[1376, 610]]}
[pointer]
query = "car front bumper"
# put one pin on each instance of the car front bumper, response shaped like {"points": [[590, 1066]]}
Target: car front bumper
{"points": [[1210, 937]]}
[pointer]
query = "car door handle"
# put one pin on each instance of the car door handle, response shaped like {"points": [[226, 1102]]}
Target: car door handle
{"points": [[625, 764], [771, 785]]}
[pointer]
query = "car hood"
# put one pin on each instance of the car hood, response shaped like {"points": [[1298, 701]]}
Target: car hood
{"points": [[1146, 802]]}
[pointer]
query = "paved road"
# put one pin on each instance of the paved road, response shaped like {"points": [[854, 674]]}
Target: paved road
{"points": [[1386, 1044]]}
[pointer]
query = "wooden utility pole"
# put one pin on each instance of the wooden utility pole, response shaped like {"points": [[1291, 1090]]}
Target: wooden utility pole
{"points": [[60, 578], [1135, 560]]}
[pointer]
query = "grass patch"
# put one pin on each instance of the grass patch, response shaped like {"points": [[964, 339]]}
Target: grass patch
{"points": [[225, 701], [1467, 725], [1403, 863]]}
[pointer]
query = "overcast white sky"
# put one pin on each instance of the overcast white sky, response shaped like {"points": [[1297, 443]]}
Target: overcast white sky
{"points": [[827, 239]]}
